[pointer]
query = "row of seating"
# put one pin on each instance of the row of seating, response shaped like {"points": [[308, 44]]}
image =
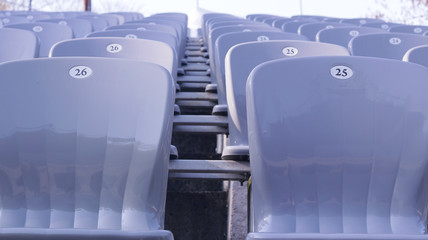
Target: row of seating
{"points": [[336, 142], [335, 137]]}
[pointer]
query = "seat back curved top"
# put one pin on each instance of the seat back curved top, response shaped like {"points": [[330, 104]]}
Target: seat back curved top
{"points": [[17, 44], [240, 60], [280, 21], [270, 20], [385, 45], [98, 23], [324, 161], [330, 19], [237, 22], [80, 27], [83, 151], [128, 16], [33, 16], [181, 30], [342, 35], [207, 16], [310, 30], [361, 21], [113, 47], [165, 37], [382, 25], [13, 20], [409, 29], [293, 26], [217, 32], [225, 41], [113, 19], [253, 17], [146, 26], [304, 17], [210, 21], [417, 55], [48, 34]]}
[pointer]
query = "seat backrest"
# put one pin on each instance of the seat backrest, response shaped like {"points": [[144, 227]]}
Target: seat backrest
{"points": [[217, 32], [413, 29], [417, 55], [293, 26], [385, 45], [98, 23], [339, 148], [235, 23], [113, 47], [48, 34], [14, 20], [382, 25], [240, 61], [280, 21], [33, 16], [361, 21], [226, 41], [146, 26], [80, 27], [84, 144], [310, 30], [134, 33], [342, 35], [17, 44]]}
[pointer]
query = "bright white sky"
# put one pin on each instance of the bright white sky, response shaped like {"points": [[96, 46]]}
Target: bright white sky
{"points": [[333, 8]]}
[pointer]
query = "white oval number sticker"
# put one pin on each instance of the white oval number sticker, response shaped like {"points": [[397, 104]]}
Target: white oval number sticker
{"points": [[262, 38], [37, 29], [417, 30], [384, 26], [290, 51], [354, 33], [62, 23], [395, 41], [114, 48], [341, 72], [6, 20], [363, 21], [80, 72], [141, 29], [131, 36]]}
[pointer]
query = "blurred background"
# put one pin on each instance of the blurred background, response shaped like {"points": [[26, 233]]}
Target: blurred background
{"points": [[400, 11]]}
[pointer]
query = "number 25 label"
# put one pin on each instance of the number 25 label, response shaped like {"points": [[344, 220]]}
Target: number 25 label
{"points": [[290, 51], [341, 72], [80, 72]]}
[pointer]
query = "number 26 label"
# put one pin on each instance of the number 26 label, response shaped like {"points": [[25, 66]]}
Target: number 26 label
{"points": [[80, 72], [341, 72], [114, 48]]}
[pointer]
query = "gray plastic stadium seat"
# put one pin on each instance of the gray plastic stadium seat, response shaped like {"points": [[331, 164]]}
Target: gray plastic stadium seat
{"points": [[361, 21], [207, 17], [330, 19], [293, 26], [217, 32], [98, 23], [240, 60], [311, 17], [113, 19], [80, 27], [114, 47], [310, 30], [84, 154], [128, 16], [181, 30], [409, 29], [146, 26], [222, 45], [417, 55], [382, 25], [34, 16], [237, 22], [385, 45], [342, 35], [336, 156], [280, 21], [213, 20], [17, 44], [165, 37], [13, 20], [48, 34]]}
